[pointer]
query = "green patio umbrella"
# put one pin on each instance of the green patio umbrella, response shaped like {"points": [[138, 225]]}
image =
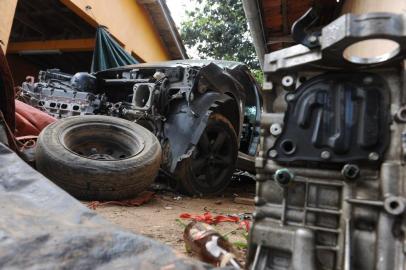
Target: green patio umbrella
{"points": [[108, 53]]}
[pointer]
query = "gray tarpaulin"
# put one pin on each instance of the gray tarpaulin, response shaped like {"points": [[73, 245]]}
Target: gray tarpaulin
{"points": [[43, 227], [108, 53]]}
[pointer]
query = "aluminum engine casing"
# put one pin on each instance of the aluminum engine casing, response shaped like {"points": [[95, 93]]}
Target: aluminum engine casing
{"points": [[311, 213], [59, 94]]}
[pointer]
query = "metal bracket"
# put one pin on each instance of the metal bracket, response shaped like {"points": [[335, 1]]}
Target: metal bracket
{"points": [[300, 33], [334, 39]]}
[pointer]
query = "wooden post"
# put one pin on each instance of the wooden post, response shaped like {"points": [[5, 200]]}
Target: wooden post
{"points": [[364, 6], [376, 47], [8, 8]]}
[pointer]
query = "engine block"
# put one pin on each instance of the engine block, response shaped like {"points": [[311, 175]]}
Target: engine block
{"points": [[60, 95], [331, 187]]}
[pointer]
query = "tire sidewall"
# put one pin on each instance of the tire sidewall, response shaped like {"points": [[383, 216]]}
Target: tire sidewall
{"points": [[97, 179]]}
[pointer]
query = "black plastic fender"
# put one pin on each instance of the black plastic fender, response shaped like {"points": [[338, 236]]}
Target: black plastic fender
{"points": [[185, 125]]}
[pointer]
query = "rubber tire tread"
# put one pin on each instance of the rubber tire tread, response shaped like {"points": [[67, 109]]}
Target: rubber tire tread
{"points": [[89, 179]]}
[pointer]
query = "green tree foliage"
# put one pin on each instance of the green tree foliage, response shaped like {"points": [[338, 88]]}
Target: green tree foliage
{"points": [[218, 29]]}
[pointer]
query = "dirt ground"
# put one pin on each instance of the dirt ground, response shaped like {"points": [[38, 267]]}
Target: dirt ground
{"points": [[158, 217]]}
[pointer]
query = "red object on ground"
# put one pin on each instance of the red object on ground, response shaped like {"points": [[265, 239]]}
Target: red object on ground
{"points": [[209, 219], [29, 120], [206, 217], [141, 199], [245, 224]]}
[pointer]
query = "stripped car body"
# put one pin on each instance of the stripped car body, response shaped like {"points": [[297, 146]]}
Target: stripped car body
{"points": [[172, 99], [51, 228]]}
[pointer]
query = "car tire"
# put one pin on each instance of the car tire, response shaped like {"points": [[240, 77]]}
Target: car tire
{"points": [[98, 157], [209, 169]]}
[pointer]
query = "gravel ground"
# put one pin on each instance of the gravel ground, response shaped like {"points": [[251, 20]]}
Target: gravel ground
{"points": [[157, 218]]}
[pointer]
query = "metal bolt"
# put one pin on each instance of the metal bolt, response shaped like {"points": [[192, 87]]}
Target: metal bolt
{"points": [[283, 176], [394, 205], [290, 97], [275, 129], [350, 171], [273, 153], [373, 156], [288, 81], [325, 155], [368, 80], [400, 115], [312, 39]]}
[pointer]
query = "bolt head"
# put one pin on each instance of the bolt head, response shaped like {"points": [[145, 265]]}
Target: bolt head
{"points": [[350, 171], [275, 129], [325, 155], [394, 205], [273, 153], [400, 115], [290, 97], [373, 156], [313, 39], [283, 176], [368, 80], [288, 81]]}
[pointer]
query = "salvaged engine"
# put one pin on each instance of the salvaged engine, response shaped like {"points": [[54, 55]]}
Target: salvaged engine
{"points": [[331, 187], [142, 98], [62, 95], [142, 95]]}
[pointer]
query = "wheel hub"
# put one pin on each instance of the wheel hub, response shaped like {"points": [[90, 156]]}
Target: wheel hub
{"points": [[101, 157]]}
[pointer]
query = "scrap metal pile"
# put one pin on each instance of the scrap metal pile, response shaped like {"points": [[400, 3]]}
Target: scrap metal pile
{"points": [[200, 112]]}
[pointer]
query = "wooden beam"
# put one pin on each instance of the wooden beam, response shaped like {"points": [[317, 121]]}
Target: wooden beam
{"points": [[54, 10], [69, 45], [84, 13], [7, 8], [285, 27], [30, 24], [365, 6], [280, 39], [128, 22]]}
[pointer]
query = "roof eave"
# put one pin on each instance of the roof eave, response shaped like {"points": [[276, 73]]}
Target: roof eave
{"points": [[162, 19]]}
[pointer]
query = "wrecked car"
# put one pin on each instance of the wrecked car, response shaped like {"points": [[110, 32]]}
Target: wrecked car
{"points": [[43, 227], [202, 113]]}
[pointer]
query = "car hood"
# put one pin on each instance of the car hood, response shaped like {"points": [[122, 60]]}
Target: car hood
{"points": [[185, 63]]}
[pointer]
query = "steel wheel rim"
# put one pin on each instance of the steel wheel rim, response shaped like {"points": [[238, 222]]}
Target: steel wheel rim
{"points": [[101, 141], [212, 157]]}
